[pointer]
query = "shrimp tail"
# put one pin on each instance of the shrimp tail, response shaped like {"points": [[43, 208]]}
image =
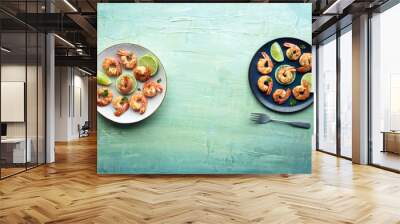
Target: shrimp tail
{"points": [[121, 109], [159, 88], [287, 44], [305, 83], [122, 52], [270, 85], [288, 94], [303, 69]]}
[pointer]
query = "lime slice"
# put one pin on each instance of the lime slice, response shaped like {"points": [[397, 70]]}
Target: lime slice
{"points": [[103, 79], [149, 61], [288, 82], [308, 77], [276, 52]]}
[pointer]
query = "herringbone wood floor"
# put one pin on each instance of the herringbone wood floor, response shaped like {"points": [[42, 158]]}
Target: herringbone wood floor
{"points": [[70, 191]]}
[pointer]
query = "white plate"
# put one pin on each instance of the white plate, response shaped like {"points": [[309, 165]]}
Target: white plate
{"points": [[131, 116]]}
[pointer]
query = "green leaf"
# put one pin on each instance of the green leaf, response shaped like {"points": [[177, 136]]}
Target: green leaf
{"points": [[292, 102], [124, 100], [105, 93], [159, 80]]}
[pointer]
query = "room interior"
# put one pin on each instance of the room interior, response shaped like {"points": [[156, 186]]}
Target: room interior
{"points": [[49, 128]]}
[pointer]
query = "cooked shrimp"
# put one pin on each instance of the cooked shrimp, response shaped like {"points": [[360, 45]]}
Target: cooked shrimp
{"points": [[142, 73], [293, 52], [125, 84], [265, 84], [305, 62], [262, 62], [138, 102], [120, 104], [302, 92], [112, 67], [128, 59], [281, 95], [151, 88], [104, 96], [286, 74]]}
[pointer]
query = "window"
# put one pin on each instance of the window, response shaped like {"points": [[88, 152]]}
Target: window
{"points": [[22, 76], [327, 95], [346, 92], [385, 89]]}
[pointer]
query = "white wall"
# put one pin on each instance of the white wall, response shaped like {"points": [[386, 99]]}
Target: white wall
{"points": [[80, 110], [61, 103], [71, 93], [16, 72]]}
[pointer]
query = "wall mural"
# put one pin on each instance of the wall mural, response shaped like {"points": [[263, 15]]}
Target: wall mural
{"points": [[204, 88]]}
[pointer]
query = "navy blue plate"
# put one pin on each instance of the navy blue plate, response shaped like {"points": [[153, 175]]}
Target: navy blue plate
{"points": [[267, 101]]}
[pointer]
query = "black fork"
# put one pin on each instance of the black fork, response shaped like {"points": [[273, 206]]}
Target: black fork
{"points": [[260, 118]]}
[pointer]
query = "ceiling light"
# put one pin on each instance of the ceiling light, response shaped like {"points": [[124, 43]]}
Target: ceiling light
{"points": [[70, 5], [327, 11], [5, 50], [84, 71], [64, 40], [337, 7]]}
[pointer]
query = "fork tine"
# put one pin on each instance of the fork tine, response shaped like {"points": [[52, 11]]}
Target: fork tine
{"points": [[256, 115], [254, 119], [259, 114], [259, 119]]}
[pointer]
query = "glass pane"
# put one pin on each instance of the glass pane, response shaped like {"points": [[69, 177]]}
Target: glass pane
{"points": [[327, 96], [314, 63], [346, 93], [31, 98], [41, 98], [385, 84], [13, 76]]}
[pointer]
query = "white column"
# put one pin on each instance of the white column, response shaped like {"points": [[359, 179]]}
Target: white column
{"points": [[50, 92], [360, 90], [50, 99]]}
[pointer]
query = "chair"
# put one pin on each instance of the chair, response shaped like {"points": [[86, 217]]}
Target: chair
{"points": [[84, 130]]}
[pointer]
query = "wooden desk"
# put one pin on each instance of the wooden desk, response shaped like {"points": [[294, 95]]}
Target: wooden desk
{"points": [[391, 141]]}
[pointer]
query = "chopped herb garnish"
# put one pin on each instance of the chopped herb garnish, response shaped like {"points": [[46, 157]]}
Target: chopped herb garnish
{"points": [[158, 80], [105, 93], [302, 46], [267, 81], [124, 100], [292, 102], [138, 89]]}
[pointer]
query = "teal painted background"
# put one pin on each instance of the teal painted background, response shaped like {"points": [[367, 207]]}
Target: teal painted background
{"points": [[203, 125]]}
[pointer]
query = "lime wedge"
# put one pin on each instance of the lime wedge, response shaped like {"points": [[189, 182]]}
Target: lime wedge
{"points": [[308, 77], [149, 61], [103, 79], [276, 52]]}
